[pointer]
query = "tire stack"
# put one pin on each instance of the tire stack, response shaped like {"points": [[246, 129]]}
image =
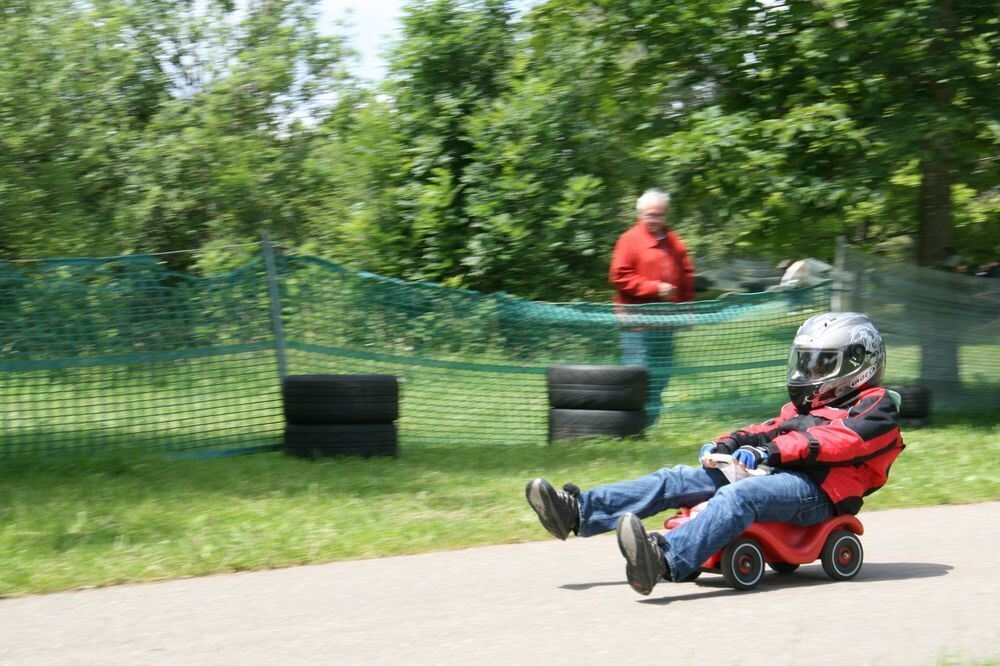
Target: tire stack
{"points": [[587, 400], [914, 406], [331, 415]]}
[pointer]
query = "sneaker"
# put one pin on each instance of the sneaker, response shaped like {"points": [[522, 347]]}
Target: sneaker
{"points": [[643, 552], [558, 510]]}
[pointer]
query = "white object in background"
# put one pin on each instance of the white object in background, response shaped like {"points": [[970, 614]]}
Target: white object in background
{"points": [[805, 273]]}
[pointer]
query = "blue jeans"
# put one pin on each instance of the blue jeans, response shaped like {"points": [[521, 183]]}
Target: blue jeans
{"points": [[655, 350], [787, 497]]}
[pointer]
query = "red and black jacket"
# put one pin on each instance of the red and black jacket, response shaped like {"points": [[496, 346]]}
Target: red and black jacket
{"points": [[846, 449]]}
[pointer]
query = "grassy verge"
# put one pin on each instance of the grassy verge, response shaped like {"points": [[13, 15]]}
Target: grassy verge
{"points": [[80, 522]]}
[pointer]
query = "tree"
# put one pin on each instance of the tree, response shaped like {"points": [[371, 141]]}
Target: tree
{"points": [[79, 84], [447, 65], [555, 170], [894, 86], [223, 157], [500, 149], [146, 127]]}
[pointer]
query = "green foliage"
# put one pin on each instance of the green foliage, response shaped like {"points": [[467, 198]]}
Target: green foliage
{"points": [[156, 127], [774, 125], [75, 95], [504, 150], [796, 115], [407, 150], [749, 183]]}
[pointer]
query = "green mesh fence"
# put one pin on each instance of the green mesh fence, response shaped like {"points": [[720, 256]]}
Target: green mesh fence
{"points": [[942, 330], [472, 366], [122, 353]]}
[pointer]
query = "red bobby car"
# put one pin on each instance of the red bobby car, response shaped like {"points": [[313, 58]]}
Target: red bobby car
{"points": [[783, 547]]}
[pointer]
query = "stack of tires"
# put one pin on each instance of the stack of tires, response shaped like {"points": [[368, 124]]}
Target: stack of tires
{"points": [[330, 415], [589, 400], [914, 407]]}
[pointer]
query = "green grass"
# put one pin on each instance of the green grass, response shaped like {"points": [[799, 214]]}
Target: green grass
{"points": [[79, 522]]}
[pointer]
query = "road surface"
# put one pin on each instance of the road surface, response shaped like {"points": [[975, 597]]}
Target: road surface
{"points": [[928, 594]]}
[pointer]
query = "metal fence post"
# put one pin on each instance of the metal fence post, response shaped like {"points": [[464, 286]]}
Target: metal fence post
{"points": [[837, 288], [275, 299]]}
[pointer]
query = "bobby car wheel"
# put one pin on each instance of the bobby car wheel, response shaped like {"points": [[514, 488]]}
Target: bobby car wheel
{"points": [[783, 567], [743, 564], [842, 555]]}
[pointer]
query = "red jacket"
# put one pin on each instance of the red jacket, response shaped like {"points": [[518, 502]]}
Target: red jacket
{"points": [[641, 261], [847, 450]]}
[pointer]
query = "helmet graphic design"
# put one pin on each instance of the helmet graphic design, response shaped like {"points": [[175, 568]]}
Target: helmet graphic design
{"points": [[834, 357]]}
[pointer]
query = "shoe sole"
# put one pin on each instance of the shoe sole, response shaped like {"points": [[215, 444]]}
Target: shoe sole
{"points": [[632, 542], [541, 497]]}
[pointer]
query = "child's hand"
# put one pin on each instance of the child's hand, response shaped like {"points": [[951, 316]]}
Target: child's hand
{"points": [[705, 450], [750, 456]]}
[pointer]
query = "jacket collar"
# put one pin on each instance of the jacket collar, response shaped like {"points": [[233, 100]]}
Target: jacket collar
{"points": [[648, 239]]}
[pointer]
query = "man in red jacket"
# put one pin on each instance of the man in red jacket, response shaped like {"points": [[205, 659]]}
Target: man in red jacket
{"points": [[650, 265], [829, 447]]}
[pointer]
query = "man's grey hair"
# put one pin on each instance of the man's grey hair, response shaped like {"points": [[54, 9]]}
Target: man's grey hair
{"points": [[652, 196]]}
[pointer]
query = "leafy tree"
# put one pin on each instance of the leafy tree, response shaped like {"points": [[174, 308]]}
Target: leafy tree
{"points": [[845, 97], [831, 113], [397, 157], [157, 126], [223, 157], [553, 174], [79, 83], [499, 149], [448, 64], [483, 174]]}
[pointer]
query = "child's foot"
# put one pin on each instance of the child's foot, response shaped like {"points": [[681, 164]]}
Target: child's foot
{"points": [[558, 510], [646, 564]]}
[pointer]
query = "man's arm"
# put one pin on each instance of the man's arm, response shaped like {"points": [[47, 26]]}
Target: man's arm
{"points": [[870, 428], [685, 287], [624, 277]]}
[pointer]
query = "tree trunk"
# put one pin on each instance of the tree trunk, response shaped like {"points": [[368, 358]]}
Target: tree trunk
{"points": [[940, 332], [937, 166], [934, 210]]}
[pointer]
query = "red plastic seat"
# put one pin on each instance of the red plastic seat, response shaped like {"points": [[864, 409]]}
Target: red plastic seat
{"points": [[781, 542]]}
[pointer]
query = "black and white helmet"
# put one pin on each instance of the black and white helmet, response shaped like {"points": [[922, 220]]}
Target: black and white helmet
{"points": [[834, 357]]}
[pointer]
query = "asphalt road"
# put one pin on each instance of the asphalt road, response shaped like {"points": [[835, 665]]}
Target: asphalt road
{"points": [[928, 594]]}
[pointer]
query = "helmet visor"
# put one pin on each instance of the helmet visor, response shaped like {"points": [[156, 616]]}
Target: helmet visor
{"points": [[808, 366]]}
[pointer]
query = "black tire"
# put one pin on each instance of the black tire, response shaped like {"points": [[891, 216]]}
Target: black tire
{"points": [[914, 423], [326, 399], [598, 387], [357, 439], [783, 568], [569, 423], [842, 555], [743, 564], [915, 401]]}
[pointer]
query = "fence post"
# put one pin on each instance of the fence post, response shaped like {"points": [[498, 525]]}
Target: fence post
{"points": [[275, 299], [837, 288]]}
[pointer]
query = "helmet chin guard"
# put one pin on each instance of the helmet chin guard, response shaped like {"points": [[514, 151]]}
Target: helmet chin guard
{"points": [[834, 357]]}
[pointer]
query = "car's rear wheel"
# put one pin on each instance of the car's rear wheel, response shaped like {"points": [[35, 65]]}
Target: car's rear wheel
{"points": [[842, 555]]}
